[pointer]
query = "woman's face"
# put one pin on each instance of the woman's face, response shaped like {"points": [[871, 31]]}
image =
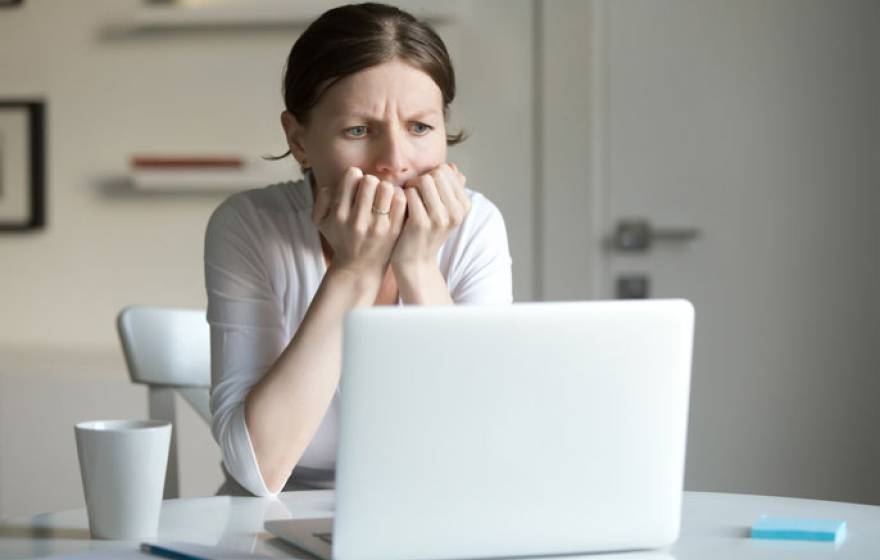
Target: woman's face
{"points": [[387, 120]]}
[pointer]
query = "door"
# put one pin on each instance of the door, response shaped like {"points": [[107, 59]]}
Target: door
{"points": [[749, 131]]}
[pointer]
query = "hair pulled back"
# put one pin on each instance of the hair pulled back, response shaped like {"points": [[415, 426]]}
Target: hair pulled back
{"points": [[354, 37]]}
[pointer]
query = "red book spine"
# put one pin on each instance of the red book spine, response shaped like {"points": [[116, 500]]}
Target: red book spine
{"points": [[186, 162]]}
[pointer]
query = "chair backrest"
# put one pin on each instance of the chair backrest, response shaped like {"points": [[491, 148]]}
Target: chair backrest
{"points": [[169, 350], [166, 346]]}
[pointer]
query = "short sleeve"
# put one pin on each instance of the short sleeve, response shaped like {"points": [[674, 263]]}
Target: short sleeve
{"points": [[247, 330], [481, 267]]}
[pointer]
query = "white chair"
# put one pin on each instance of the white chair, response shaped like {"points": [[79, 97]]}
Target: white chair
{"points": [[168, 350]]}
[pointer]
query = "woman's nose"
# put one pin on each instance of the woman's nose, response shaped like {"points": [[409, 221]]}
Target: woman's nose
{"points": [[392, 158]]}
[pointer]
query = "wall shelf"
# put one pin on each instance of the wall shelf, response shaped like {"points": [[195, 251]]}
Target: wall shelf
{"points": [[194, 173], [198, 181], [230, 14]]}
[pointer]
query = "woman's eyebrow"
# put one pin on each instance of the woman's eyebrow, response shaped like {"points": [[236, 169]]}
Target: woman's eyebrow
{"points": [[423, 114], [357, 115], [367, 117]]}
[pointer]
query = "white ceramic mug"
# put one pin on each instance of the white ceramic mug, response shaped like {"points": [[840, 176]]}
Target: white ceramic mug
{"points": [[123, 466]]}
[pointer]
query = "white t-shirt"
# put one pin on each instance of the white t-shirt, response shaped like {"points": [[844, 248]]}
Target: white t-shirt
{"points": [[263, 266]]}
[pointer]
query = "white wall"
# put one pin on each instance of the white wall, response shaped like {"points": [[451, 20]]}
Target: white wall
{"points": [[112, 94], [106, 99]]}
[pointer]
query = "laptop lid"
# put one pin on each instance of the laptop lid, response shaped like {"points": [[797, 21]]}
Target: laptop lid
{"points": [[529, 429]]}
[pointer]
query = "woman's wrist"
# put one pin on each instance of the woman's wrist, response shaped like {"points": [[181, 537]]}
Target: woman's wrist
{"points": [[413, 269], [421, 283], [363, 285]]}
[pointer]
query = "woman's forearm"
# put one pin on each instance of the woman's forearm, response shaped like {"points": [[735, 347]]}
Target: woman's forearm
{"points": [[285, 408], [422, 284]]}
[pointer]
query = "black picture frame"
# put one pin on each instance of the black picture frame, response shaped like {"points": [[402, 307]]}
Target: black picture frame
{"points": [[22, 164]]}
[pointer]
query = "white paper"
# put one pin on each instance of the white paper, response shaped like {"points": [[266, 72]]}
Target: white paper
{"points": [[133, 552]]}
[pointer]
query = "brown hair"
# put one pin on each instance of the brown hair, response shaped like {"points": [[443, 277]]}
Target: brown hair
{"points": [[351, 38]]}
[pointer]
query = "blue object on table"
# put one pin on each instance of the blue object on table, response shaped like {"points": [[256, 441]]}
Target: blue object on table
{"points": [[789, 528], [165, 552]]}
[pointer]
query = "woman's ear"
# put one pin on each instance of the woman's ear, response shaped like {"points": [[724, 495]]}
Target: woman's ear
{"points": [[293, 132]]}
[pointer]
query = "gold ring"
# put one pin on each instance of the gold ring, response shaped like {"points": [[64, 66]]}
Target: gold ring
{"points": [[381, 213]]}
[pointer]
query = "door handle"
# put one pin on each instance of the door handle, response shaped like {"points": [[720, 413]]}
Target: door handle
{"points": [[638, 235]]}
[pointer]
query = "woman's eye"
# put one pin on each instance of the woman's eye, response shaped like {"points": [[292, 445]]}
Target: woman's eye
{"points": [[356, 131], [421, 128]]}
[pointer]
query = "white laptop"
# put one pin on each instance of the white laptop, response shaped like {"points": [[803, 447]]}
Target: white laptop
{"points": [[496, 431]]}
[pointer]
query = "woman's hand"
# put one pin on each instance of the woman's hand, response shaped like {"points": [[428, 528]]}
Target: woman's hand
{"points": [[436, 204], [362, 221]]}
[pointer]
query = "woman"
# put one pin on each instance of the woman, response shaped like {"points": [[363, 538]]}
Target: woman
{"points": [[380, 219]]}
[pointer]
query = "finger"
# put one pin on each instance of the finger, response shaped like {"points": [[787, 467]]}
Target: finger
{"points": [[460, 193], [449, 176], [430, 198], [415, 208], [398, 210], [466, 202], [458, 183], [446, 186], [322, 205], [463, 198], [366, 192], [346, 193], [382, 201], [458, 174]]}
